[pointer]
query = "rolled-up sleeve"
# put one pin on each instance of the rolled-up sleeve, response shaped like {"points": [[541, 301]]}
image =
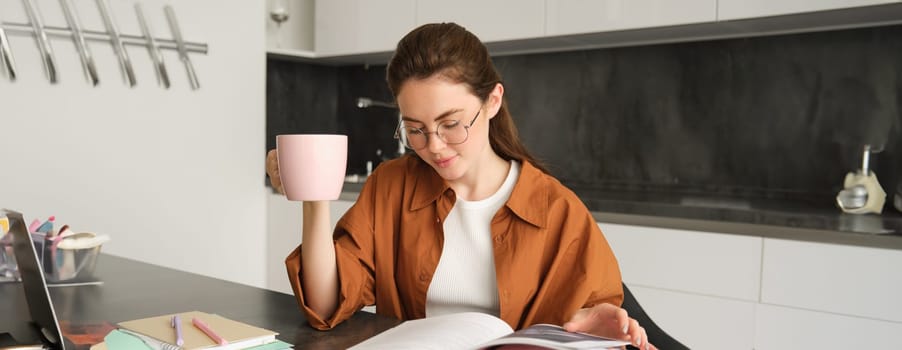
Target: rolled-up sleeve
{"points": [[591, 276], [353, 238], [603, 272], [593, 260]]}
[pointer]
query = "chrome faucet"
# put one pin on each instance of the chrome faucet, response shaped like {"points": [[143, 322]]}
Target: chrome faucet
{"points": [[366, 102]]}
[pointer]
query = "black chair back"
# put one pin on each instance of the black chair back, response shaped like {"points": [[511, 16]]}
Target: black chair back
{"points": [[656, 335]]}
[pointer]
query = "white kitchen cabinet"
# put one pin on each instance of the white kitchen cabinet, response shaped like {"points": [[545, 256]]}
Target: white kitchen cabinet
{"points": [[700, 321], [701, 288], [495, 20], [725, 291], [780, 327], [347, 27], [295, 35], [712, 264], [741, 9], [565, 17], [284, 234], [848, 280], [360, 31]]}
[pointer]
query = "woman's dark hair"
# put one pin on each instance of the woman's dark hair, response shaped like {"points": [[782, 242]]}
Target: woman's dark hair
{"points": [[455, 53]]}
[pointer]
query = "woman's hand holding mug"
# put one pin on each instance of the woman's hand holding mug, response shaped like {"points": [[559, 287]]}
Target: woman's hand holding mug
{"points": [[308, 167]]}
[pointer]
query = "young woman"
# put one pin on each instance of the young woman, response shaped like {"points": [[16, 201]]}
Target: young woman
{"points": [[469, 222]]}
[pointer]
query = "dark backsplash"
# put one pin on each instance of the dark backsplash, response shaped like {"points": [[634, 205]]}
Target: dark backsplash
{"points": [[779, 116], [306, 98]]}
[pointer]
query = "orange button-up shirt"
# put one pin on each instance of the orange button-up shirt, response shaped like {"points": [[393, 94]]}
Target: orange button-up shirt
{"points": [[551, 258]]}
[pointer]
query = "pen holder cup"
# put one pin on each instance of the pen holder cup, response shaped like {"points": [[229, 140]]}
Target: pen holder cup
{"points": [[8, 268], [69, 265], [59, 265]]}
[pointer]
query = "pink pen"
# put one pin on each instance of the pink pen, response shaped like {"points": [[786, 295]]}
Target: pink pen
{"points": [[209, 332]]}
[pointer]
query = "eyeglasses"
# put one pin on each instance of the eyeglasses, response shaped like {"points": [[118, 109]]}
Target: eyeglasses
{"points": [[451, 132]]}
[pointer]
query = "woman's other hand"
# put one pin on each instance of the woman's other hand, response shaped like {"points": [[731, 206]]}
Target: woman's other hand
{"points": [[272, 169], [609, 321]]}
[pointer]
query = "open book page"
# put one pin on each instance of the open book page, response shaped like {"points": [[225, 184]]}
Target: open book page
{"points": [[554, 337], [456, 331]]}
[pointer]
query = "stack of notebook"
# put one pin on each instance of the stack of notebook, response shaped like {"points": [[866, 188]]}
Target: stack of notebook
{"points": [[159, 333]]}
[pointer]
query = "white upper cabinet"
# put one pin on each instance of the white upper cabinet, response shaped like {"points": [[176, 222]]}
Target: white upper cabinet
{"points": [[347, 27], [495, 20], [586, 16], [740, 9], [356, 31], [294, 34]]}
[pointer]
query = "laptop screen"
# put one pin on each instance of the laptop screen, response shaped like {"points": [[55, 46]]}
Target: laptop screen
{"points": [[36, 293]]}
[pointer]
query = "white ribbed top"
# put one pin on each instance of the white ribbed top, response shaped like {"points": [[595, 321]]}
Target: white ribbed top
{"points": [[465, 277]]}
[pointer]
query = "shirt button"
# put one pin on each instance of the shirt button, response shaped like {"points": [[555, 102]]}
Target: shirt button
{"points": [[424, 277], [499, 239], [437, 220]]}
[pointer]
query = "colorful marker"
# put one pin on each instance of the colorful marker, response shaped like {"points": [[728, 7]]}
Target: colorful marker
{"points": [[209, 332], [177, 324], [47, 226]]}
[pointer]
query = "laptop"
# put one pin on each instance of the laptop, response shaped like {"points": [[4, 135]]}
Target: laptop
{"points": [[43, 316]]}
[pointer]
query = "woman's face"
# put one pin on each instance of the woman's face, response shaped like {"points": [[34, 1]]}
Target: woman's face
{"points": [[433, 104]]}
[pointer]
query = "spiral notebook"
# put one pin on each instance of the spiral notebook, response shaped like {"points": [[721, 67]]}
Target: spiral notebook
{"points": [[239, 335]]}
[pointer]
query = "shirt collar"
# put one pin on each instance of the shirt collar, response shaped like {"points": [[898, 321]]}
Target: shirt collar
{"points": [[428, 185], [528, 201]]}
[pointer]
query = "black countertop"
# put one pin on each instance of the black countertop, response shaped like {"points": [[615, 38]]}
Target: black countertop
{"points": [[772, 218], [805, 219], [133, 290]]}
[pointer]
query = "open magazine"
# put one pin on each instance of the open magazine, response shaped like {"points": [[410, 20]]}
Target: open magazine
{"points": [[473, 330]]}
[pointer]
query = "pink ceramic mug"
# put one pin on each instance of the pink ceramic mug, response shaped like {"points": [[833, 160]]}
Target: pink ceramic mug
{"points": [[312, 166]]}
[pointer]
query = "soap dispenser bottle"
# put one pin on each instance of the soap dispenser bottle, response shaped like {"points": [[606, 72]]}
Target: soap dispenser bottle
{"points": [[862, 192]]}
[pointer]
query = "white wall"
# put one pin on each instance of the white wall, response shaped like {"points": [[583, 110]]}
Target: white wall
{"points": [[176, 176]]}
